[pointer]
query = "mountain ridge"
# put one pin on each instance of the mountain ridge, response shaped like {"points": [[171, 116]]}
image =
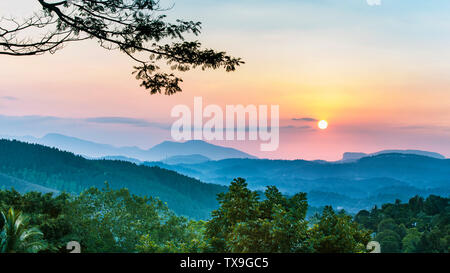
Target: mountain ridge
{"points": [[353, 156], [158, 152], [64, 171], [377, 178]]}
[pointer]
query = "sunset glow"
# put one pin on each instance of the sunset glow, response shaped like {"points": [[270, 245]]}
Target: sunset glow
{"points": [[323, 124], [367, 78]]}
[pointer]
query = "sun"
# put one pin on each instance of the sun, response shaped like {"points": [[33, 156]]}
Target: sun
{"points": [[323, 124]]}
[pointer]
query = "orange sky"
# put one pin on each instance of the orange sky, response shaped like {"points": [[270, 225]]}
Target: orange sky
{"points": [[379, 75]]}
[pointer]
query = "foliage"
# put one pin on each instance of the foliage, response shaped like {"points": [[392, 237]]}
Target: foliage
{"points": [[17, 236], [115, 221], [421, 225], [191, 241], [45, 211], [109, 220], [337, 233], [104, 220], [243, 223], [138, 28]]}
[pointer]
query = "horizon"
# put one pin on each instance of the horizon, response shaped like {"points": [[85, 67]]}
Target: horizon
{"points": [[377, 73], [371, 153]]}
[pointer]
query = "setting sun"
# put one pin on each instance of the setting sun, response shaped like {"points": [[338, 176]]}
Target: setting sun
{"points": [[323, 124]]}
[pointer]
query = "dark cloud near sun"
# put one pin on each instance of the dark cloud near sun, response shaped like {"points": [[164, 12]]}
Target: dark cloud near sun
{"points": [[306, 119], [297, 128]]}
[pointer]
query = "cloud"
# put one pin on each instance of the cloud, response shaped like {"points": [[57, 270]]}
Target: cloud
{"points": [[424, 127], [127, 121], [297, 128], [116, 134], [373, 2], [10, 98], [307, 119]]}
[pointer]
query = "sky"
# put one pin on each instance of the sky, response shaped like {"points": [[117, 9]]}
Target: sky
{"points": [[377, 71]]}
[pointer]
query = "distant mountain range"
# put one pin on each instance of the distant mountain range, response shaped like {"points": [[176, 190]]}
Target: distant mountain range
{"points": [[353, 186], [159, 152], [358, 181], [169, 152], [173, 160], [351, 157], [32, 167], [186, 159]]}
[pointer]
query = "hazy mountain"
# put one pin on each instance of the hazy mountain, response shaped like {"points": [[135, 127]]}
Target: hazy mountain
{"points": [[350, 156], [91, 149], [121, 158], [186, 159], [356, 184], [157, 153], [369, 180], [198, 147], [45, 168]]}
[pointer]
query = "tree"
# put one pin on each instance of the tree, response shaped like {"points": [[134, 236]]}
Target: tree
{"points": [[411, 240], [18, 236], [416, 204], [111, 220], [138, 28], [238, 205], [44, 211], [337, 233], [387, 224], [191, 240], [390, 241], [419, 226], [434, 241], [243, 223]]}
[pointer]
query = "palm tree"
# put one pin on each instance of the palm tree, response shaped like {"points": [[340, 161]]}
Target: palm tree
{"points": [[17, 236]]}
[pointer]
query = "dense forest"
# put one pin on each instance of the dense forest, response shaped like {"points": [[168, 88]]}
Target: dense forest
{"points": [[421, 225], [110, 220], [63, 171]]}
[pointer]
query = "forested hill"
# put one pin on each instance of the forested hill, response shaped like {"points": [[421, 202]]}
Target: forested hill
{"points": [[65, 171], [352, 186]]}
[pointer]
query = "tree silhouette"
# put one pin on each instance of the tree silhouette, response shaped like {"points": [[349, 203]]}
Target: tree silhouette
{"points": [[138, 28]]}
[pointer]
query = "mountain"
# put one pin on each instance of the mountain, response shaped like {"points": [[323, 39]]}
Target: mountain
{"points": [[349, 156], [198, 147], [91, 149], [122, 158], [186, 159], [159, 152], [63, 171], [358, 185], [8, 182]]}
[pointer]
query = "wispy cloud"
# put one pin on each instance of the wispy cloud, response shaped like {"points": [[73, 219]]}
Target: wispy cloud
{"points": [[307, 119], [127, 121], [297, 128], [116, 134], [10, 98], [424, 127]]}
